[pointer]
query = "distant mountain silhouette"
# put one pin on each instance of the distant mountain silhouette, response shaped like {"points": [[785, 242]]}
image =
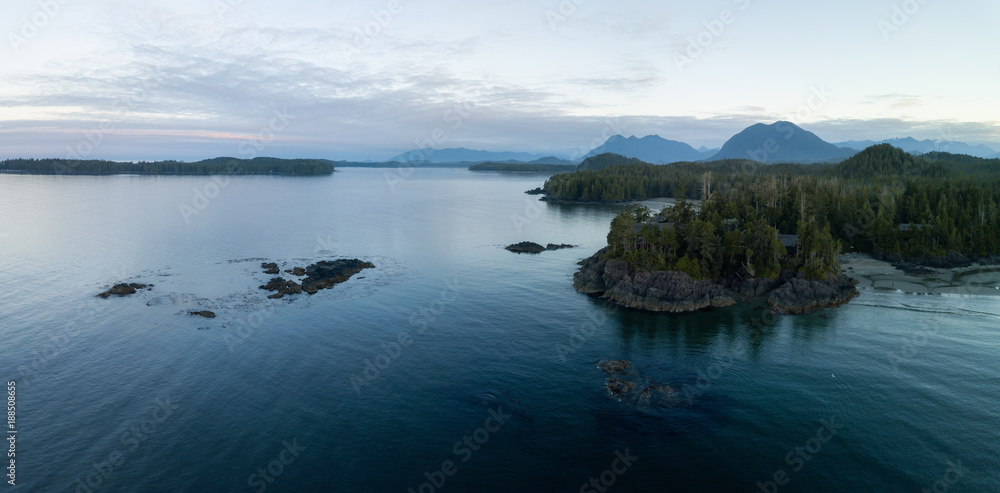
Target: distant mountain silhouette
{"points": [[462, 155], [781, 142], [552, 160], [915, 146], [651, 149]]}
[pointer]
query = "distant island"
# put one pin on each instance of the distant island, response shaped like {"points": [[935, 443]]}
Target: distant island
{"points": [[216, 166], [523, 167]]}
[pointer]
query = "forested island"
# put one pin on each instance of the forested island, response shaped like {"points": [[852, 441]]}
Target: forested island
{"points": [[938, 209], [216, 166], [777, 230]]}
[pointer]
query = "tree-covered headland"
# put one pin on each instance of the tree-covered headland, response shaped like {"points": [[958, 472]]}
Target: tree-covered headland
{"points": [[881, 201]]}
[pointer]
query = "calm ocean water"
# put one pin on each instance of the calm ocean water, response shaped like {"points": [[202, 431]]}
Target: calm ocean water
{"points": [[454, 365]]}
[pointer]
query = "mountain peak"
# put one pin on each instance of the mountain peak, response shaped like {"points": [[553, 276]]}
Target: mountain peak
{"points": [[651, 149], [779, 142]]}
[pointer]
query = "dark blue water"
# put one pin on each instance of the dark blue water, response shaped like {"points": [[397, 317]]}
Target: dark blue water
{"points": [[375, 385]]}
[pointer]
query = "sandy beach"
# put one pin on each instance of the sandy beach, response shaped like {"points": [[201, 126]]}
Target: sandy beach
{"points": [[878, 274]]}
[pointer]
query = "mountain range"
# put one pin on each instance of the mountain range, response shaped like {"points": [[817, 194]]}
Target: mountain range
{"points": [[914, 146], [461, 155], [651, 149], [768, 143]]}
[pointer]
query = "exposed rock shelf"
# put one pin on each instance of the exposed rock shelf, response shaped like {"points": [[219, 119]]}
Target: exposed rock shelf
{"points": [[676, 292], [531, 247], [321, 275], [125, 289]]}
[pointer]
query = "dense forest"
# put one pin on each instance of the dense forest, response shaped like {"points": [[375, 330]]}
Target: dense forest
{"points": [[881, 201], [523, 167], [724, 237], [216, 166]]}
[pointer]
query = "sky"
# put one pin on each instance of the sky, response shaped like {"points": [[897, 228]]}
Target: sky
{"points": [[367, 80]]}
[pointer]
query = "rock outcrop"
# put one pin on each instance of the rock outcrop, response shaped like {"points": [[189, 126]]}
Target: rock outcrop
{"points": [[203, 313], [798, 296], [532, 247], [326, 274], [124, 289], [677, 292], [526, 247], [321, 275], [658, 291]]}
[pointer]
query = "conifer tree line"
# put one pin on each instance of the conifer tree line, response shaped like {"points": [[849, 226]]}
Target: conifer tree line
{"points": [[881, 201], [216, 166]]}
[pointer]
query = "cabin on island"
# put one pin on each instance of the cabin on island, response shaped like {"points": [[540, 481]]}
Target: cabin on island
{"points": [[791, 243], [637, 228]]}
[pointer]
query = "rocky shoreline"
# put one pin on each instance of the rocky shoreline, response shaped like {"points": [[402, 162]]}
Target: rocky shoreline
{"points": [[676, 292]]}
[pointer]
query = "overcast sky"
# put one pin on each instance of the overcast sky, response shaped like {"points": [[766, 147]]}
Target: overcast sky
{"points": [[192, 79]]}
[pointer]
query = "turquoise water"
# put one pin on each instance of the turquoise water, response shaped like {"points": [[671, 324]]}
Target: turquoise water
{"points": [[375, 385]]}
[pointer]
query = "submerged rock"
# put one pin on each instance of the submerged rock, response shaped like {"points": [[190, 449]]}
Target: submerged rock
{"points": [[203, 313], [615, 367], [625, 386]]}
